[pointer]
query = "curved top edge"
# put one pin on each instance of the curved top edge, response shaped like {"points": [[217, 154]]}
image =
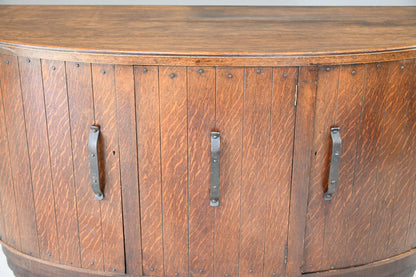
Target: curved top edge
{"points": [[195, 59], [195, 35]]}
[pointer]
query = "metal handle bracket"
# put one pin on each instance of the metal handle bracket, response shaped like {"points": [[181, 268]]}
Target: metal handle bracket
{"points": [[215, 169], [335, 162], [94, 167]]}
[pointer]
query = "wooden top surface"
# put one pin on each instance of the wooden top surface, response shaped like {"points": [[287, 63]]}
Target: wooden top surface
{"points": [[211, 31]]}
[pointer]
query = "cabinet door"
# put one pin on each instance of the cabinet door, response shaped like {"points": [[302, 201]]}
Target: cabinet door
{"points": [[372, 215], [47, 108], [253, 110]]}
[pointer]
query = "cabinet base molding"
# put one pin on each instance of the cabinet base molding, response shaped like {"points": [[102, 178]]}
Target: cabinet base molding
{"points": [[23, 265], [403, 265]]}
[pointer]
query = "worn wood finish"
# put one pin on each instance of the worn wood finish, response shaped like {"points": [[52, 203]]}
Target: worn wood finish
{"points": [[250, 32], [57, 115], [157, 93]]}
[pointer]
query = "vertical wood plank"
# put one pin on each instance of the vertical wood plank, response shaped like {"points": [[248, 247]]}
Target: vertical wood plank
{"points": [[38, 144], [411, 127], [201, 121], [19, 153], [81, 107], [280, 169], [10, 230], [105, 108], [57, 114], [229, 121], [405, 169], [126, 114], [304, 127], [173, 122], [350, 98], [392, 141], [364, 185], [256, 148], [326, 105], [148, 136], [391, 177]]}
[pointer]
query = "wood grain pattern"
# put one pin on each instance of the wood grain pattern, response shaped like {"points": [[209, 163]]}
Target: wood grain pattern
{"points": [[173, 124], [148, 136], [325, 114], [256, 148], [392, 141], [39, 157], [10, 230], [229, 121], [19, 155], [365, 181], [126, 116], [280, 169], [24, 265], [81, 111], [305, 117], [201, 121], [411, 125], [59, 135], [210, 31], [348, 115], [105, 109], [404, 183]]}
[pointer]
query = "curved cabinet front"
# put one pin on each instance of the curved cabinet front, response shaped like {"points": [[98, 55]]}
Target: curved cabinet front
{"points": [[156, 169]]}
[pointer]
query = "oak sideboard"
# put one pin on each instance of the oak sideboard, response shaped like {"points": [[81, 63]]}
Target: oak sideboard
{"points": [[208, 141]]}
